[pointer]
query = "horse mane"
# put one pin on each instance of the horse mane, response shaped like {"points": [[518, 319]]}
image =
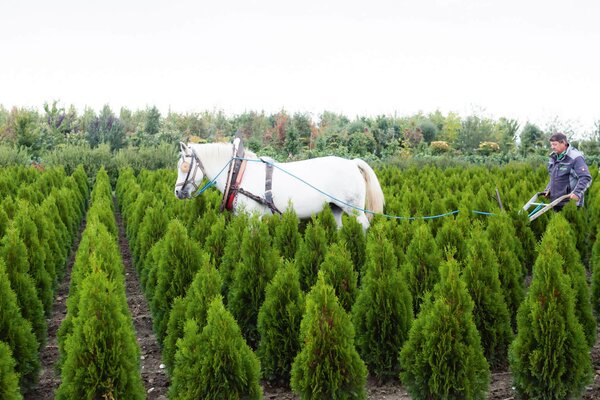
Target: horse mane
{"points": [[218, 151]]}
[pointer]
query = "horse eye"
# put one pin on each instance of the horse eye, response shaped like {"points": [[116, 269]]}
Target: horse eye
{"points": [[185, 167]]}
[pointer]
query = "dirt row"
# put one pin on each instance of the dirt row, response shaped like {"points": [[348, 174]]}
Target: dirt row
{"points": [[153, 373]]}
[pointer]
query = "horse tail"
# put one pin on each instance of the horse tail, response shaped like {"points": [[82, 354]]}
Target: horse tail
{"points": [[374, 197]]}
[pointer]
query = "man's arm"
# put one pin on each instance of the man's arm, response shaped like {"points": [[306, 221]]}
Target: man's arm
{"points": [[584, 178]]}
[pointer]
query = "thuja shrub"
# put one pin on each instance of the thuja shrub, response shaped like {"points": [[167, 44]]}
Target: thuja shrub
{"points": [[215, 362], [36, 254], [383, 311], [257, 266], [353, 234], [14, 254], [421, 265], [327, 221], [503, 239], [287, 238], [204, 288], [559, 228], [177, 265], [279, 325], [490, 312], [151, 230], [328, 365], [595, 267], [443, 357], [311, 254], [450, 239], [16, 331], [216, 240], [339, 272], [9, 379], [102, 353], [232, 254], [549, 358]]}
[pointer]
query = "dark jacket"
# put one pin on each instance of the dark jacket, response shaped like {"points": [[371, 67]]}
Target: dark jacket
{"points": [[568, 175]]}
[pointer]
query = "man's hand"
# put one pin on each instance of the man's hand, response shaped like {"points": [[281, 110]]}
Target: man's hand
{"points": [[573, 196]]}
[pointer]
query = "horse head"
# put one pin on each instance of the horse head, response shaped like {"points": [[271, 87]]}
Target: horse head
{"points": [[190, 172]]}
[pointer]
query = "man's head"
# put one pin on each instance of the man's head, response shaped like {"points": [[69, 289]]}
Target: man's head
{"points": [[559, 142]]}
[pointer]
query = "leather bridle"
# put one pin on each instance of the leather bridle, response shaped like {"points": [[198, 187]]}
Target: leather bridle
{"points": [[195, 164]]}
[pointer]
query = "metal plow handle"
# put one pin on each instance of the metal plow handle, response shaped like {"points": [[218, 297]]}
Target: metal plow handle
{"points": [[541, 208]]}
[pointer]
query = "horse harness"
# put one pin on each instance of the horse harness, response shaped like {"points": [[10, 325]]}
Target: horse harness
{"points": [[235, 176]]}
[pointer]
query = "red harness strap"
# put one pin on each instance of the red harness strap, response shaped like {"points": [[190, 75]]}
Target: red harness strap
{"points": [[235, 185]]}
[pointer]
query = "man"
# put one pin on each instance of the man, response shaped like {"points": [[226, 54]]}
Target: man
{"points": [[568, 172]]}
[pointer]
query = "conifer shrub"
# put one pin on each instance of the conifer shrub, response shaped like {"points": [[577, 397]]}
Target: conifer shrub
{"points": [[231, 254], [17, 333], [451, 239], [327, 221], [36, 254], [142, 203], [216, 240], [148, 270], [338, 271], [279, 325], [421, 265], [527, 239], [328, 365], [383, 311], [14, 254], [9, 379], [502, 237], [443, 356], [215, 362], [102, 358], [549, 357], [257, 266], [180, 259], [194, 305], [490, 312], [564, 245], [287, 238], [151, 230], [595, 267], [353, 234], [4, 221], [101, 207], [311, 254]]}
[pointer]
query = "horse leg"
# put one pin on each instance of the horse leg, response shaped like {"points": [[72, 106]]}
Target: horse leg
{"points": [[362, 218], [337, 214]]}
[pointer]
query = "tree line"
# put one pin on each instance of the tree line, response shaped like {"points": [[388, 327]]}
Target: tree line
{"points": [[288, 135]]}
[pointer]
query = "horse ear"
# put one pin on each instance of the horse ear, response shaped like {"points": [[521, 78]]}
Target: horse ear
{"points": [[183, 147]]}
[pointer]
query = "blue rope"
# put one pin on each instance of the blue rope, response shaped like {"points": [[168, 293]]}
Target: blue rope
{"points": [[352, 205], [213, 181]]}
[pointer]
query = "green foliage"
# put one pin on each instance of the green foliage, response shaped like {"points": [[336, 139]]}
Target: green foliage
{"points": [[14, 254], [257, 266], [204, 288], [451, 239], [490, 312], [421, 266], [311, 254], [215, 363], [328, 365], [595, 267], [326, 220], [564, 245], [353, 234], [287, 239], [443, 356], [11, 155], [9, 379], [178, 263], [279, 320], [549, 357], [339, 272], [383, 311], [16, 331], [102, 354]]}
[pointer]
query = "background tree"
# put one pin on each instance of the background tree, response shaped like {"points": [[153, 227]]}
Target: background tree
{"points": [[532, 140]]}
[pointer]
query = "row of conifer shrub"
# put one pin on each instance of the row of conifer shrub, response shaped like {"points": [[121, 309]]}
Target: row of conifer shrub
{"points": [[320, 307], [40, 212], [99, 354]]}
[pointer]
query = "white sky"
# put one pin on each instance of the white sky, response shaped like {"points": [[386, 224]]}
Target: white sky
{"points": [[529, 60]]}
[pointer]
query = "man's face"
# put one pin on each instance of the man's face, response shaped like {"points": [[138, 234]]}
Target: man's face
{"points": [[558, 147]]}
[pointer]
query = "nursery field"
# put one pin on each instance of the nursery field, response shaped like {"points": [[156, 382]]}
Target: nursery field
{"points": [[125, 291]]}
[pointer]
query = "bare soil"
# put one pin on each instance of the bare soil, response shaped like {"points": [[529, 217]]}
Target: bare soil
{"points": [[155, 378]]}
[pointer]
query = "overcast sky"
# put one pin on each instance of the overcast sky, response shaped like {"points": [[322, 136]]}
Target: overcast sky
{"points": [[534, 61]]}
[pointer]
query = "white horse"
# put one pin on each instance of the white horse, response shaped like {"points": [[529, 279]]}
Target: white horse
{"points": [[349, 186]]}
